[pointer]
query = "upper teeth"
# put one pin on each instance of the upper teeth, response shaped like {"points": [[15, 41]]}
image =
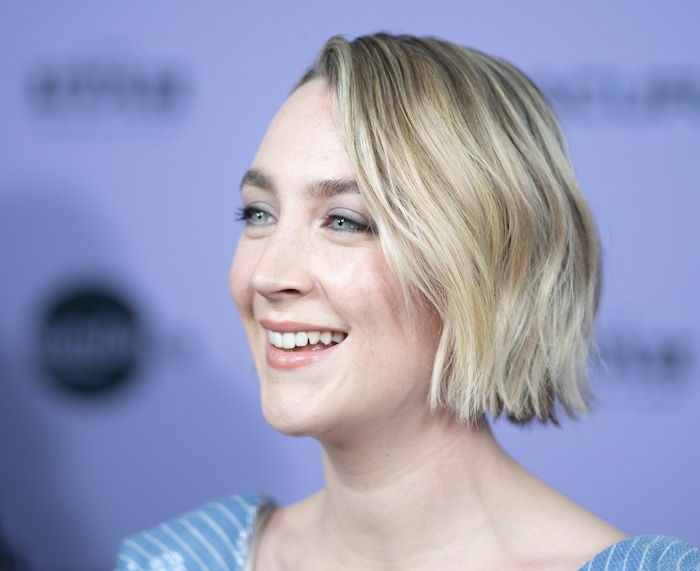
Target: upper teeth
{"points": [[290, 340]]}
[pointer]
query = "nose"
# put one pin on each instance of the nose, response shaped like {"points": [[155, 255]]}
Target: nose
{"points": [[282, 270]]}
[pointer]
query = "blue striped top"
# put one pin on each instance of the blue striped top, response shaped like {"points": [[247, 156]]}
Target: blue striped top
{"points": [[646, 553], [218, 537]]}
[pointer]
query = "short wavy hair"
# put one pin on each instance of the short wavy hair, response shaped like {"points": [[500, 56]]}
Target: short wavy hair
{"points": [[463, 165]]}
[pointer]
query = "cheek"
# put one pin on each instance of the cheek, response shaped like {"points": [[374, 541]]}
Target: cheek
{"points": [[376, 297], [416, 334], [239, 281]]}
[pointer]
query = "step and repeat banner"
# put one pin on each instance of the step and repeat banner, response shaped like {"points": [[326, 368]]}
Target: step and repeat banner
{"points": [[127, 394]]}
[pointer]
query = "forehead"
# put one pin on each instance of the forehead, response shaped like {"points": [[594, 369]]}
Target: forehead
{"points": [[310, 104], [303, 139]]}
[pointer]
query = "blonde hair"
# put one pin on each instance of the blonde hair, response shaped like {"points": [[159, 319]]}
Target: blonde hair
{"points": [[463, 165]]}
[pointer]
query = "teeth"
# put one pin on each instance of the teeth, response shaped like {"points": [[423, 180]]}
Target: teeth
{"points": [[291, 340], [288, 340]]}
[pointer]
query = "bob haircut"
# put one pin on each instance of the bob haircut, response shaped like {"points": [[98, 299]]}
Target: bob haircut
{"points": [[464, 167]]}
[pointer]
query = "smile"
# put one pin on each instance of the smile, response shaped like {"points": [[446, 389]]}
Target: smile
{"points": [[299, 339]]}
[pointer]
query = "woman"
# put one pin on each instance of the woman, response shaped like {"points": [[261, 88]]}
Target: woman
{"points": [[416, 256]]}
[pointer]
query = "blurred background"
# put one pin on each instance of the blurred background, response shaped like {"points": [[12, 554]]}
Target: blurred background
{"points": [[127, 394]]}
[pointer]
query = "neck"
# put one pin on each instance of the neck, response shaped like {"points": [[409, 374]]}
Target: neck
{"points": [[402, 498], [432, 495]]}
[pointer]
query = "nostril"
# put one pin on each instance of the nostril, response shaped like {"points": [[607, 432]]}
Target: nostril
{"points": [[280, 281], [281, 268], [272, 288]]}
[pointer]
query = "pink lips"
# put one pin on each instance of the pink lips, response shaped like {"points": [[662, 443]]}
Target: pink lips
{"points": [[285, 359], [284, 326]]}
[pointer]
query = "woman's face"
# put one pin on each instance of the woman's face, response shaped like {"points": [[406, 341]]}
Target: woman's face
{"points": [[333, 344]]}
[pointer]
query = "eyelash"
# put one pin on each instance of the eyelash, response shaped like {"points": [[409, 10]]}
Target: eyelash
{"points": [[354, 225], [247, 213]]}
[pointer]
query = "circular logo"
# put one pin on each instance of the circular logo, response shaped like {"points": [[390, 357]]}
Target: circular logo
{"points": [[90, 341]]}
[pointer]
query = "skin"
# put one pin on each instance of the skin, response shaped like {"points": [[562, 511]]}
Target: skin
{"points": [[406, 488]]}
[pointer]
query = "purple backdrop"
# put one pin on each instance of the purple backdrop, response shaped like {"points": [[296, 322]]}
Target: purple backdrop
{"points": [[126, 391]]}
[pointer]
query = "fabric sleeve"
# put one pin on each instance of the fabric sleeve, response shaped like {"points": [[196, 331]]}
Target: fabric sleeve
{"points": [[646, 553], [215, 537]]}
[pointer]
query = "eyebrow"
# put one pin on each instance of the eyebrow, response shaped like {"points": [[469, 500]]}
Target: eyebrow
{"points": [[324, 188], [254, 177]]}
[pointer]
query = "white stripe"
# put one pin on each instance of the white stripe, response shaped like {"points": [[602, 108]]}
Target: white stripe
{"points": [[250, 510], [688, 552], [156, 542], [140, 549], [644, 555], [607, 563], [629, 550], [217, 529], [206, 543], [667, 548], [166, 528], [230, 515], [131, 564]]}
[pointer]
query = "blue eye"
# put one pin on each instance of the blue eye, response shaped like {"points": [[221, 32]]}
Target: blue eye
{"points": [[345, 224], [341, 223], [253, 216]]}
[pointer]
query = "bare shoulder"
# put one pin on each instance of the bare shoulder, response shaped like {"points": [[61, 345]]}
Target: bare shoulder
{"points": [[566, 548], [283, 537], [589, 539], [546, 530], [569, 534]]}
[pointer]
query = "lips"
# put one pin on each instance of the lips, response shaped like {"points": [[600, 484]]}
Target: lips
{"points": [[304, 340]]}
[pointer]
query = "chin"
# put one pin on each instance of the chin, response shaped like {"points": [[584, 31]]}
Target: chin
{"points": [[287, 426], [290, 415]]}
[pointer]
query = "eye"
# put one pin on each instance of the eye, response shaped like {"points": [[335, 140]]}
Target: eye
{"points": [[253, 216], [346, 223]]}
